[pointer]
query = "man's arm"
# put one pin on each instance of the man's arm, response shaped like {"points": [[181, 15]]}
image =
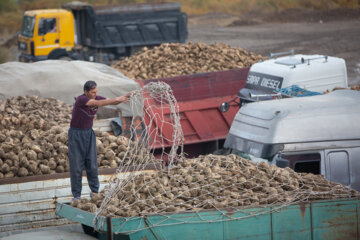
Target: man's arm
{"points": [[109, 101]]}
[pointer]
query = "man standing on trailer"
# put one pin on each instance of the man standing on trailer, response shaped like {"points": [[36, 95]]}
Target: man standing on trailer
{"points": [[82, 139]]}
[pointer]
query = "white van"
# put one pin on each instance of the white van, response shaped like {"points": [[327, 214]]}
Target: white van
{"points": [[316, 73], [318, 134]]}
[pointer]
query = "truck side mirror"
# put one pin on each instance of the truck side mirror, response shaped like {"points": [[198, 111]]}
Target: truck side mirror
{"points": [[224, 107], [281, 162]]}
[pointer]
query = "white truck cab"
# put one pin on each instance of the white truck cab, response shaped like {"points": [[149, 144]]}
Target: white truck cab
{"points": [[317, 73], [317, 134]]}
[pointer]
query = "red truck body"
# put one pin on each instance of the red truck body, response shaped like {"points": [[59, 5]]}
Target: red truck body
{"points": [[199, 96]]}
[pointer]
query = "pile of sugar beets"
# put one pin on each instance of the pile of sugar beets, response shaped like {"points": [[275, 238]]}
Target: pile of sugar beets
{"points": [[212, 182], [32, 142], [174, 59]]}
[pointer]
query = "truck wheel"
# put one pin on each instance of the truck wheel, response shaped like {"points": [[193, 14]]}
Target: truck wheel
{"points": [[65, 58], [89, 230]]}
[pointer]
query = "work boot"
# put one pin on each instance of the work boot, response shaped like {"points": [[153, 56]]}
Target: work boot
{"points": [[92, 194], [76, 198]]}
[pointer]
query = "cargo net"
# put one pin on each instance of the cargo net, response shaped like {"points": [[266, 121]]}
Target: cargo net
{"points": [[202, 189]]}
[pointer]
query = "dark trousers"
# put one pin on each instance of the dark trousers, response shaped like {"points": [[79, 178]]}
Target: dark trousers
{"points": [[82, 153]]}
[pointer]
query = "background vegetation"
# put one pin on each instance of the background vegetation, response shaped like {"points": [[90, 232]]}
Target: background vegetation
{"points": [[4, 55], [11, 11]]}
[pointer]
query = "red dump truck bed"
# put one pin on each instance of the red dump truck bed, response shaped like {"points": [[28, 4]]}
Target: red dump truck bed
{"points": [[199, 97]]}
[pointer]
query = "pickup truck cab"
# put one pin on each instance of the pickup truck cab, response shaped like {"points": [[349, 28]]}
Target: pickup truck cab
{"points": [[317, 134]]}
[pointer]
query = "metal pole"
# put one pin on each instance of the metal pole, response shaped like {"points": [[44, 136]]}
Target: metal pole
{"points": [[109, 234]]}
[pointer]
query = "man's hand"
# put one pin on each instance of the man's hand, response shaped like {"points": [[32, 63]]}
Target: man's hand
{"points": [[122, 99], [109, 101]]}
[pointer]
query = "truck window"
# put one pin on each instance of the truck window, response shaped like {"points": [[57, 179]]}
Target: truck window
{"points": [[339, 167], [305, 162], [27, 27], [47, 25]]}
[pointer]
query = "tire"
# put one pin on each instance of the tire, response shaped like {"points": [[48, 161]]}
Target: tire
{"points": [[65, 58], [89, 231]]}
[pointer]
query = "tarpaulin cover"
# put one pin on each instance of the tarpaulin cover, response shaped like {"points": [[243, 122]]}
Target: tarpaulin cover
{"points": [[63, 80]]}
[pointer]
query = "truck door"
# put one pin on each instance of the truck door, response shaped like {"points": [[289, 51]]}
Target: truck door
{"points": [[337, 166], [48, 36]]}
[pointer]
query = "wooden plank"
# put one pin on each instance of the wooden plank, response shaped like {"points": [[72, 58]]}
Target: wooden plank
{"points": [[41, 194], [24, 217], [37, 179], [24, 203], [32, 214], [102, 172], [34, 224], [11, 208]]}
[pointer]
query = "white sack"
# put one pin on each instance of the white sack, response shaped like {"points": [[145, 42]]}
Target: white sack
{"points": [[63, 80]]}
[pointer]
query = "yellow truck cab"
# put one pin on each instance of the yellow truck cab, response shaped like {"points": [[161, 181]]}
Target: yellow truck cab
{"points": [[99, 33], [45, 33]]}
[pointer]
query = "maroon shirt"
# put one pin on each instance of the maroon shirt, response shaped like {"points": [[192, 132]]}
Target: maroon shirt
{"points": [[82, 115]]}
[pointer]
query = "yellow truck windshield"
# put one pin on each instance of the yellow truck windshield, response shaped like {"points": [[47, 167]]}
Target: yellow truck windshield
{"points": [[27, 28]]}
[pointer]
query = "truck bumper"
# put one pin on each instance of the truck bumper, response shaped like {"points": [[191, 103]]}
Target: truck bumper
{"points": [[29, 58]]}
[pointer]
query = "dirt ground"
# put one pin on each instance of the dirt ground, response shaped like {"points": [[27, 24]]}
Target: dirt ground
{"points": [[333, 33]]}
